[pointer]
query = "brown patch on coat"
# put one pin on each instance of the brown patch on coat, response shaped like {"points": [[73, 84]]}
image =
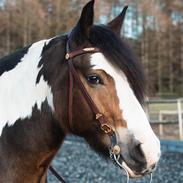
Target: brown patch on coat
{"points": [[104, 96]]}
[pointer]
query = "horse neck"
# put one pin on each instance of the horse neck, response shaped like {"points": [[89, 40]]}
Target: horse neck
{"points": [[54, 69], [19, 91], [35, 134]]}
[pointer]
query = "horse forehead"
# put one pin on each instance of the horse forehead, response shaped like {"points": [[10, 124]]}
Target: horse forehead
{"points": [[98, 61]]}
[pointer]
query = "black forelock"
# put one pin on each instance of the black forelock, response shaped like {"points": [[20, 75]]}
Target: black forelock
{"points": [[120, 55]]}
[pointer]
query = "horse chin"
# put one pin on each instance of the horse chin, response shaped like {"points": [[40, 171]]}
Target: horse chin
{"points": [[131, 173]]}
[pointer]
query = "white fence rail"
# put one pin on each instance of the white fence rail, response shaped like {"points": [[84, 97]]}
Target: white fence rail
{"points": [[164, 112]]}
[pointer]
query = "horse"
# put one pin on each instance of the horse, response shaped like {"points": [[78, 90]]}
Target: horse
{"points": [[88, 83]]}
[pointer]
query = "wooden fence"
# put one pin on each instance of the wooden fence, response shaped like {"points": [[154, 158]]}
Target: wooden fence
{"points": [[163, 111]]}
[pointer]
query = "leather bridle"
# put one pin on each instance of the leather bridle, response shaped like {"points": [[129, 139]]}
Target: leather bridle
{"points": [[101, 118], [74, 76]]}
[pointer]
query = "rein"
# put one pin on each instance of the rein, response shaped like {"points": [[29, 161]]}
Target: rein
{"points": [[104, 126]]}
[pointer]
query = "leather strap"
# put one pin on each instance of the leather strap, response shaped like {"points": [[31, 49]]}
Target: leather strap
{"points": [[54, 172], [70, 102], [74, 75], [98, 116]]}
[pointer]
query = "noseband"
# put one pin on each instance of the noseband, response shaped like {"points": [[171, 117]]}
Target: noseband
{"points": [[101, 118]]}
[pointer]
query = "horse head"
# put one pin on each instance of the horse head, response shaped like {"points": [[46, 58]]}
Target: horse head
{"points": [[114, 80]]}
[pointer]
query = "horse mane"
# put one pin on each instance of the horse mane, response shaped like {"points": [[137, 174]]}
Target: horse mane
{"points": [[9, 62], [118, 53]]}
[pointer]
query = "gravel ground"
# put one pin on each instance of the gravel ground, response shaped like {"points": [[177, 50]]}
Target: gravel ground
{"points": [[77, 163]]}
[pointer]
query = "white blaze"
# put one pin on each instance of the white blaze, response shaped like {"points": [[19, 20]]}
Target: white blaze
{"points": [[132, 111], [18, 89]]}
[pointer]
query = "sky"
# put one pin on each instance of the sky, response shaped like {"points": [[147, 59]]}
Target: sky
{"points": [[130, 28]]}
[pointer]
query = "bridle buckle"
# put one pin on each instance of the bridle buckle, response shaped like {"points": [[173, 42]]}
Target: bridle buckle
{"points": [[67, 56], [106, 128]]}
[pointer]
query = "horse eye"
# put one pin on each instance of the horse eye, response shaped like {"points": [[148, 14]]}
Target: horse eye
{"points": [[95, 80]]}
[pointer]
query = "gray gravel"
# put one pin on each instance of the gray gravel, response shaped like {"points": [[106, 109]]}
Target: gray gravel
{"points": [[77, 163]]}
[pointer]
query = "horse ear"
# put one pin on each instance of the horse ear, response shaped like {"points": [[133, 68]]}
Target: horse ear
{"points": [[86, 19], [117, 23]]}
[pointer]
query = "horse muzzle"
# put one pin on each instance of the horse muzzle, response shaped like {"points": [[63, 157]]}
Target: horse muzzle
{"points": [[131, 156], [131, 171]]}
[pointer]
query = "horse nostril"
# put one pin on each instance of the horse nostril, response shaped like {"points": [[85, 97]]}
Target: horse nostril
{"points": [[152, 167], [147, 171], [138, 153], [139, 150]]}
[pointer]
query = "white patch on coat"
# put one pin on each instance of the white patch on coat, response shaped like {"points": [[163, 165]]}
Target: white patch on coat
{"points": [[132, 111], [18, 89]]}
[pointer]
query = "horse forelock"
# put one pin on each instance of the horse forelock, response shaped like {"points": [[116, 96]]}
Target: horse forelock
{"points": [[120, 55], [19, 91]]}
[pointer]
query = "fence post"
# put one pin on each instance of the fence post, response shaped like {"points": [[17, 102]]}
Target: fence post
{"points": [[160, 124], [179, 110]]}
